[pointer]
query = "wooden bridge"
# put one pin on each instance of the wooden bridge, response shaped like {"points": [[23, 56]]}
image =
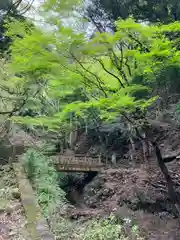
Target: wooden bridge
{"points": [[77, 163]]}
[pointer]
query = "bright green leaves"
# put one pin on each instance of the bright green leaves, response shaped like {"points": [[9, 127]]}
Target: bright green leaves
{"points": [[111, 73], [35, 52], [59, 6], [172, 27], [109, 107]]}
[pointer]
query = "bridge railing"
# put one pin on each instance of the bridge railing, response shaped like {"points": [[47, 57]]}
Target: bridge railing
{"points": [[77, 159]]}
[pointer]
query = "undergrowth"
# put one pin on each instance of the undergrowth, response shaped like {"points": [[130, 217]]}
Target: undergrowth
{"points": [[110, 229], [44, 179]]}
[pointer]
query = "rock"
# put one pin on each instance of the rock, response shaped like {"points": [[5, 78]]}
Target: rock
{"points": [[12, 208], [17, 206], [163, 214], [12, 233], [9, 210], [16, 193], [3, 227]]}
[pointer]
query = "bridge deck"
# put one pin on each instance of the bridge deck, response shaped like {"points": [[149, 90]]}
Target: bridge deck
{"points": [[77, 163]]}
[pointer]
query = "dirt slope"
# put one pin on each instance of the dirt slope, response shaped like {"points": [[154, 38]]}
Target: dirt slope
{"points": [[136, 194]]}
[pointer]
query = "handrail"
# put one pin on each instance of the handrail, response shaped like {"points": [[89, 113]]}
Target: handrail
{"points": [[83, 160], [80, 155]]}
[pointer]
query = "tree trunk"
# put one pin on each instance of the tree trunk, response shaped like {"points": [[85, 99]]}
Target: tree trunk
{"points": [[170, 184], [61, 147], [86, 129], [132, 151], [145, 149], [132, 147]]}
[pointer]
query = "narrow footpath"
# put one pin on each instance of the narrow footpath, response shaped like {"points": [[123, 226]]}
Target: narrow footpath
{"points": [[12, 219]]}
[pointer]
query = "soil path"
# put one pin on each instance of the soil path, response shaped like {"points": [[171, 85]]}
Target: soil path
{"points": [[12, 219]]}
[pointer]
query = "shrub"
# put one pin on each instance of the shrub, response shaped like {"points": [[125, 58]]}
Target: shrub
{"points": [[44, 179], [110, 229]]}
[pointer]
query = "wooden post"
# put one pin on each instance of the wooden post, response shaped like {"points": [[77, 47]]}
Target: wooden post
{"points": [[113, 159], [86, 160], [99, 158]]}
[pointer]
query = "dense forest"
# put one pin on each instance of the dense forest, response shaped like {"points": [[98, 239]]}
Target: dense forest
{"points": [[95, 77]]}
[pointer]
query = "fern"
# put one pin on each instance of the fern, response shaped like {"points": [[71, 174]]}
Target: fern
{"points": [[44, 179]]}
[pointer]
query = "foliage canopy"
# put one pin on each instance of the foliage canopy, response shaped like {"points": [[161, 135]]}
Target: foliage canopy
{"points": [[110, 74]]}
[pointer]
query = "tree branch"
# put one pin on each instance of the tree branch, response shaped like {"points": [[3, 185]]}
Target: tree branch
{"points": [[116, 64], [128, 67], [110, 73], [144, 48], [99, 81]]}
